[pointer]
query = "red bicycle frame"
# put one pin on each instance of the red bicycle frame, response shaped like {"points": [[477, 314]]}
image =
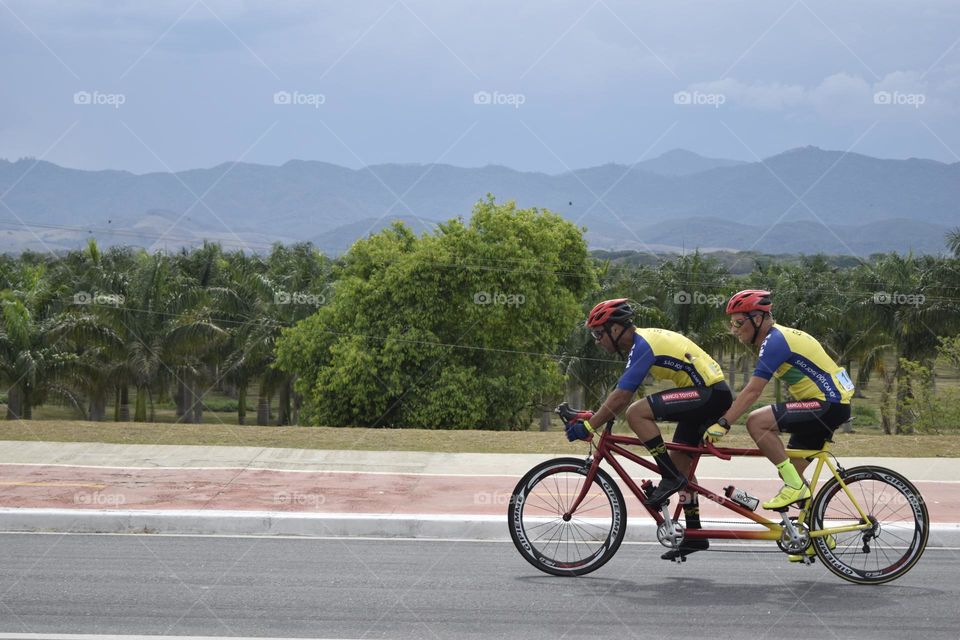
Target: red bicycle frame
{"points": [[610, 444]]}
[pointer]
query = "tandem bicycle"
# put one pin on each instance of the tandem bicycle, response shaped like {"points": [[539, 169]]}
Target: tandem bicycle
{"points": [[866, 524]]}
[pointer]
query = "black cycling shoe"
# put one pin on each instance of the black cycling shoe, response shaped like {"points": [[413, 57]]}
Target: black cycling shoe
{"points": [[686, 548], [664, 490]]}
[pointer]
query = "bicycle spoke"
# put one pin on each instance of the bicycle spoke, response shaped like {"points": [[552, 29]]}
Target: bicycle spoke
{"points": [[890, 501], [556, 522], [590, 524], [549, 508], [579, 544], [891, 534], [547, 535]]}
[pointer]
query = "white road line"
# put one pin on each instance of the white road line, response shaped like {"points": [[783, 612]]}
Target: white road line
{"points": [[97, 636], [638, 543]]}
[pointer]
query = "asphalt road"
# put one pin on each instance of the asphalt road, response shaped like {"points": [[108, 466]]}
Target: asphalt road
{"points": [[353, 588]]}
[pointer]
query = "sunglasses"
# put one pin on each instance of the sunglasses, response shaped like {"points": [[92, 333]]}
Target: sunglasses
{"points": [[597, 334], [736, 324]]}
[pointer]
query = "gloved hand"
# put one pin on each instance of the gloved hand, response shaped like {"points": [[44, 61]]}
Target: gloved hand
{"points": [[715, 432], [579, 430]]}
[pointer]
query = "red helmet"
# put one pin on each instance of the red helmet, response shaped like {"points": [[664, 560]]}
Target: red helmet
{"points": [[618, 310], [750, 300]]}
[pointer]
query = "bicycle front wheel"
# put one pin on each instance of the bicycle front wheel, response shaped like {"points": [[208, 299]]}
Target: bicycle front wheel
{"points": [[552, 539], [895, 541]]}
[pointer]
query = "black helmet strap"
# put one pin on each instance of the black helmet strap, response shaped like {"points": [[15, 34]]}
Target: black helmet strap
{"points": [[756, 325], [616, 341]]}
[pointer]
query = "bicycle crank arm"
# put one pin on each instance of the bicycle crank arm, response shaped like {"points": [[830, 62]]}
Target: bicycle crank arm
{"points": [[670, 533]]}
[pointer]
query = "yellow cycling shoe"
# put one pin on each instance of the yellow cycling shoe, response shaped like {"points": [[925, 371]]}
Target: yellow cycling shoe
{"points": [[787, 496], [831, 544]]}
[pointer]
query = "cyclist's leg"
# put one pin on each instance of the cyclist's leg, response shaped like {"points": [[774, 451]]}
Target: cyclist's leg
{"points": [[815, 432], [689, 499], [762, 427], [689, 433], [691, 426], [641, 418], [689, 406], [804, 421]]}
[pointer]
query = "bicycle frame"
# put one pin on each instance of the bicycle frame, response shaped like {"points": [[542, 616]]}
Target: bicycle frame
{"points": [[609, 445]]}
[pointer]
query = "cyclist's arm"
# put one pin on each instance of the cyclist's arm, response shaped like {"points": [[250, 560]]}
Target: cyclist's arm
{"points": [[614, 405], [638, 365], [745, 399]]}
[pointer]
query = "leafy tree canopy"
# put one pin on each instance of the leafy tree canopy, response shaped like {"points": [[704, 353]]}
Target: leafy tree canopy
{"points": [[449, 330]]}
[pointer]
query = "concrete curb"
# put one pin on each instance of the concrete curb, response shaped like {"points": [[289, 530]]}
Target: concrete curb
{"points": [[264, 523]]}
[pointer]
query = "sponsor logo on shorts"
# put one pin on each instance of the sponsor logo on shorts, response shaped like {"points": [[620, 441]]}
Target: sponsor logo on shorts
{"points": [[806, 404], [676, 396]]}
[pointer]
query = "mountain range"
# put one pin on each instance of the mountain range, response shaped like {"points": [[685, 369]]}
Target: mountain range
{"points": [[804, 200]]}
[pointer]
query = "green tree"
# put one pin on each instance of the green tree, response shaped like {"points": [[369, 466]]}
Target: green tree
{"points": [[905, 302], [451, 330], [268, 296], [32, 363], [953, 241]]}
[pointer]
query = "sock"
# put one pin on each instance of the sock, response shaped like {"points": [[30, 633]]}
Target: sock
{"points": [[691, 511], [659, 452], [789, 474]]}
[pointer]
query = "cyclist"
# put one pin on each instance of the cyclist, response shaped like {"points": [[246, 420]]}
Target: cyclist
{"points": [[701, 396], [821, 392]]}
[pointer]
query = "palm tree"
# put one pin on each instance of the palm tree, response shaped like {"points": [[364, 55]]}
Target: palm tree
{"points": [[906, 302], [94, 282], [166, 328], [267, 296], [32, 362], [953, 241]]}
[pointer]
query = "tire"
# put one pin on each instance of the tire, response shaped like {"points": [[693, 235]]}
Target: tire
{"points": [[566, 548], [893, 504]]}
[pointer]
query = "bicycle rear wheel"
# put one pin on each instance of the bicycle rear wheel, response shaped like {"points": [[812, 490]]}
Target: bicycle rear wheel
{"points": [[900, 525], [576, 544]]}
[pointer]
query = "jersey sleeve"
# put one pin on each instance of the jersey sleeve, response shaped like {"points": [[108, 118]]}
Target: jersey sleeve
{"points": [[638, 364], [773, 352]]}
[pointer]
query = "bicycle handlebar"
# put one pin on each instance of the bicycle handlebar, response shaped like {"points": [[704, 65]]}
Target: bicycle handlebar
{"points": [[567, 414]]}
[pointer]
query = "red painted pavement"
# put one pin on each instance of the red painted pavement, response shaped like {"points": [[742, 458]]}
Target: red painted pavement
{"points": [[30, 486]]}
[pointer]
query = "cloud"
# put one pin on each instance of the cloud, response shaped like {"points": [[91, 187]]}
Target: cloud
{"points": [[774, 96], [839, 97]]}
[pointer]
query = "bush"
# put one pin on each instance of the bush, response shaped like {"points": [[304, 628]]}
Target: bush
{"points": [[929, 411], [452, 330], [865, 414], [220, 405]]}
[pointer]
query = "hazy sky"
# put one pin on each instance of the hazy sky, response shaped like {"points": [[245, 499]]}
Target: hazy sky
{"points": [[536, 85]]}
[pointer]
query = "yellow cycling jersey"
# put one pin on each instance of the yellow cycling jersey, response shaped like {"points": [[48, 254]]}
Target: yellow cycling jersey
{"points": [[668, 355], [800, 361]]}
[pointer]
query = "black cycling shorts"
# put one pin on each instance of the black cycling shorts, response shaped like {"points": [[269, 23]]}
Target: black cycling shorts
{"points": [[810, 423], [692, 408]]}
